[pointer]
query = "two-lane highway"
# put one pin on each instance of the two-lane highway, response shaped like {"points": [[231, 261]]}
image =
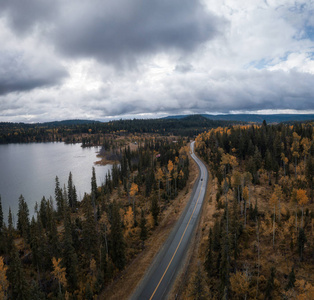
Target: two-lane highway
{"points": [[160, 277]]}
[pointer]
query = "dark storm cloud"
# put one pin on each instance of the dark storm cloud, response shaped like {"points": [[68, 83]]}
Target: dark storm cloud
{"points": [[115, 32], [18, 73], [23, 16], [119, 32]]}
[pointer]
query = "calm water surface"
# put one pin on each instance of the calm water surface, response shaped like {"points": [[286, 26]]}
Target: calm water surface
{"points": [[30, 170]]}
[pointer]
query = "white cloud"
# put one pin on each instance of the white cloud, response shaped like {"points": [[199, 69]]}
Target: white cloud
{"points": [[64, 60]]}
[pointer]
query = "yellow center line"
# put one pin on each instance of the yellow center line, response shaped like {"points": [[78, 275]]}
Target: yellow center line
{"points": [[175, 252]]}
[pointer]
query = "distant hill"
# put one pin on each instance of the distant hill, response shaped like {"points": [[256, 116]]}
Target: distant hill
{"points": [[278, 118], [69, 122]]}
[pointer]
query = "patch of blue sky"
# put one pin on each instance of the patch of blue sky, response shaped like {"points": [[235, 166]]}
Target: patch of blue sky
{"points": [[305, 33], [309, 32], [266, 63], [259, 64]]}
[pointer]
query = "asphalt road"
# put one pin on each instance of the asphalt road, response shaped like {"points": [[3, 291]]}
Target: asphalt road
{"points": [[161, 275]]}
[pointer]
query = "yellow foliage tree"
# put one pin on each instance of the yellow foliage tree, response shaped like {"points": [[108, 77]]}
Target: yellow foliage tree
{"points": [[302, 200], [58, 273], [306, 144], [133, 191], [240, 284], [4, 284], [228, 160], [305, 289], [170, 168], [128, 220]]}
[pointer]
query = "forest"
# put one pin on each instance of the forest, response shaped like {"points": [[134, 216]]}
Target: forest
{"points": [[73, 250], [74, 131], [255, 237], [257, 226]]}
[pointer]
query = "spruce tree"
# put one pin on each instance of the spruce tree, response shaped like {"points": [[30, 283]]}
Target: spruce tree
{"points": [[117, 239], [209, 255], [19, 286], [301, 242], [155, 209], [2, 236], [9, 235], [72, 197], [143, 233], [43, 212], [1, 217], [198, 290], [52, 231], [270, 284], [59, 198], [69, 256], [38, 243], [23, 219], [94, 190], [89, 234], [291, 280]]}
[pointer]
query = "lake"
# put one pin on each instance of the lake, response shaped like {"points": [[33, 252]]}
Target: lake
{"points": [[30, 170]]}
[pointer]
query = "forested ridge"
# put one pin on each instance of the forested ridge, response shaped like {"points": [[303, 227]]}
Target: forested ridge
{"points": [[75, 131], [73, 250], [257, 232]]}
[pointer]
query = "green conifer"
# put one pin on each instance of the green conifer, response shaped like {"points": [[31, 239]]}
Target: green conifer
{"points": [[16, 276], [117, 239]]}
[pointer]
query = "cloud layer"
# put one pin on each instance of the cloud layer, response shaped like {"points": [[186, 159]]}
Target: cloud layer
{"points": [[131, 58]]}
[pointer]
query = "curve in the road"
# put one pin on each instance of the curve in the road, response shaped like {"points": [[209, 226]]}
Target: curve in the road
{"points": [[159, 279]]}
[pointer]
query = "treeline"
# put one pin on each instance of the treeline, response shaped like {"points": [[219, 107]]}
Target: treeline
{"points": [[260, 244], [76, 131], [71, 249]]}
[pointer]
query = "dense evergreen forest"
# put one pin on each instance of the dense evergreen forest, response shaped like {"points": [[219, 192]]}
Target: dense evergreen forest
{"points": [[71, 249], [76, 130], [257, 242]]}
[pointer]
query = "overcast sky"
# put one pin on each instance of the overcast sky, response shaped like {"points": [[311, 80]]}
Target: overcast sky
{"points": [[102, 60]]}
